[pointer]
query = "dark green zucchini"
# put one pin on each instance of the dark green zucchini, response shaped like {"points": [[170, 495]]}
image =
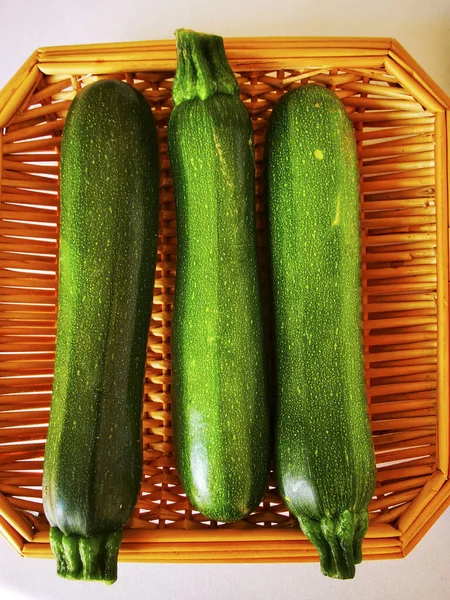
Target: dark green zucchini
{"points": [[109, 220], [220, 405], [324, 452]]}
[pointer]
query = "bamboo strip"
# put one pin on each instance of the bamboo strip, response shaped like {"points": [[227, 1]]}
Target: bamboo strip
{"points": [[35, 158], [21, 432], [418, 172], [15, 519], [394, 371], [397, 272], [391, 118], [33, 184], [46, 205], [372, 74], [47, 144], [31, 346], [428, 360], [245, 64], [374, 150], [14, 83], [442, 201], [408, 396], [390, 515], [371, 168], [31, 123], [390, 340], [12, 418], [405, 453], [24, 389], [389, 469], [400, 423], [427, 493], [374, 258], [395, 161], [27, 195], [14, 490], [385, 104], [231, 43], [404, 59], [26, 101], [11, 535], [31, 264], [396, 238], [431, 375], [32, 404], [381, 439], [9, 108], [127, 58], [405, 472], [393, 500], [47, 95], [396, 354], [27, 505], [26, 480], [13, 165], [396, 205], [398, 322], [33, 214], [389, 307], [208, 535], [209, 553], [393, 219], [35, 131], [394, 142], [41, 112], [392, 287], [409, 83], [254, 549], [374, 89], [400, 486], [264, 560], [394, 132]]}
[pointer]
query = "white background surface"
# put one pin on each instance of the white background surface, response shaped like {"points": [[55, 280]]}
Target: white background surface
{"points": [[423, 27]]}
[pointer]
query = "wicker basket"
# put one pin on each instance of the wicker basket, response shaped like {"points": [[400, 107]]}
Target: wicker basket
{"points": [[401, 120]]}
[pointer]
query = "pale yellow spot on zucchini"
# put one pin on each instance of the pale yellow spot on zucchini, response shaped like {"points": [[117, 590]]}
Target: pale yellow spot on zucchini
{"points": [[337, 215], [318, 154]]}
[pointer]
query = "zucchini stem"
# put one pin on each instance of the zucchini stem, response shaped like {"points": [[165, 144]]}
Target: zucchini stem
{"points": [[338, 540], [89, 559], [202, 68]]}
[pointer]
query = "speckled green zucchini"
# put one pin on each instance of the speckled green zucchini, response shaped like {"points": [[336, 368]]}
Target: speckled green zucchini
{"points": [[324, 451], [109, 219], [220, 409]]}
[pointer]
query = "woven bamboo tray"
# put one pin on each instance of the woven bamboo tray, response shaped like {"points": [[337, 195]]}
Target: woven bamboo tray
{"points": [[401, 120]]}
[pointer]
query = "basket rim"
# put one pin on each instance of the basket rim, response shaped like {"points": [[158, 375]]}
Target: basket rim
{"points": [[397, 62]]}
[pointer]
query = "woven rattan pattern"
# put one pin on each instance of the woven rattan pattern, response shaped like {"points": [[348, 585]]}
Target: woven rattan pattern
{"points": [[396, 149]]}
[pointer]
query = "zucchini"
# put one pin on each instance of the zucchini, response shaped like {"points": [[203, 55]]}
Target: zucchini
{"points": [[109, 220], [220, 405], [324, 451]]}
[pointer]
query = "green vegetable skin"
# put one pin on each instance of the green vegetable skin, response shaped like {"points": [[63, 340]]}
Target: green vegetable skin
{"points": [[220, 405], [324, 451], [109, 220]]}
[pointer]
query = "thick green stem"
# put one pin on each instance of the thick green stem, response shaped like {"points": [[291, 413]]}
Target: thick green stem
{"points": [[202, 68], [89, 559], [338, 540]]}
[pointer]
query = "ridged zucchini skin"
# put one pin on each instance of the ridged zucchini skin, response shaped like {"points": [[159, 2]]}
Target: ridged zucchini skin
{"points": [[108, 234], [219, 395], [323, 446]]}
